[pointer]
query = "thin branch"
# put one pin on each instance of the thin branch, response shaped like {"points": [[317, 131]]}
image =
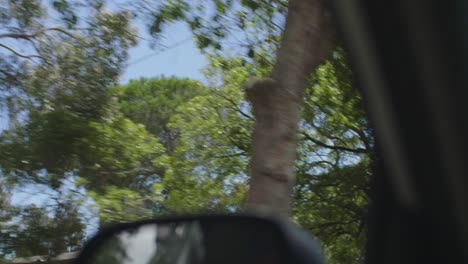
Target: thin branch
{"points": [[18, 35], [10, 77], [327, 135], [319, 162], [61, 30], [29, 36], [334, 147], [363, 137], [30, 57], [234, 104]]}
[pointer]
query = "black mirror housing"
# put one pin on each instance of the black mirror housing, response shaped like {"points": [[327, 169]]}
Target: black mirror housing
{"points": [[203, 239]]}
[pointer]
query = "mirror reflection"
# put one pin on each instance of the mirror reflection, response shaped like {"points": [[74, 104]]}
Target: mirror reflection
{"points": [[191, 243]]}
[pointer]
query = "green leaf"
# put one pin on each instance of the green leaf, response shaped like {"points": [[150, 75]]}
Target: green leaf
{"points": [[203, 41], [220, 6], [252, 4], [60, 5], [251, 52]]}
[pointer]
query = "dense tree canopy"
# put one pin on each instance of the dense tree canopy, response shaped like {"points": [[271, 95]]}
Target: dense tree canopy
{"points": [[66, 56], [121, 152], [38, 232], [152, 102]]}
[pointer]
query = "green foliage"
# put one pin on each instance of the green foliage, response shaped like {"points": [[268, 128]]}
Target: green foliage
{"points": [[334, 159], [333, 165], [334, 105], [119, 204], [153, 101], [38, 232], [58, 106], [68, 16], [217, 24], [210, 166], [120, 153], [116, 161], [113, 151], [25, 12], [333, 205], [131, 176], [163, 145], [76, 57]]}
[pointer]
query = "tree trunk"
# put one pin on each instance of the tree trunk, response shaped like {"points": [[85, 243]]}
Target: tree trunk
{"points": [[308, 38]]}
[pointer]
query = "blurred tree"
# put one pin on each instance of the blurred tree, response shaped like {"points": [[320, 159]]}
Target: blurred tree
{"points": [[118, 205], [7, 214], [334, 162], [244, 27], [6, 209], [307, 39], [62, 117], [36, 231], [59, 58], [51, 57], [115, 160], [68, 232], [113, 151], [210, 166], [118, 152], [173, 145], [153, 101]]}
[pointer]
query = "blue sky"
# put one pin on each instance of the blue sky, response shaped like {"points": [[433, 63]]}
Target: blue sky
{"points": [[181, 58]]}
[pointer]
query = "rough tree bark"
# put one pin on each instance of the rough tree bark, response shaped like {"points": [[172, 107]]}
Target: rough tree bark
{"points": [[308, 39]]}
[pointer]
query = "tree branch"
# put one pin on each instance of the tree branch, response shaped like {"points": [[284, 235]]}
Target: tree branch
{"points": [[277, 101], [234, 105], [18, 35], [9, 77], [363, 137], [59, 29], [29, 36], [30, 57], [334, 147]]}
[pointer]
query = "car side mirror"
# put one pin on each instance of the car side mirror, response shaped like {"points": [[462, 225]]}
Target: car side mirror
{"points": [[204, 239]]}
